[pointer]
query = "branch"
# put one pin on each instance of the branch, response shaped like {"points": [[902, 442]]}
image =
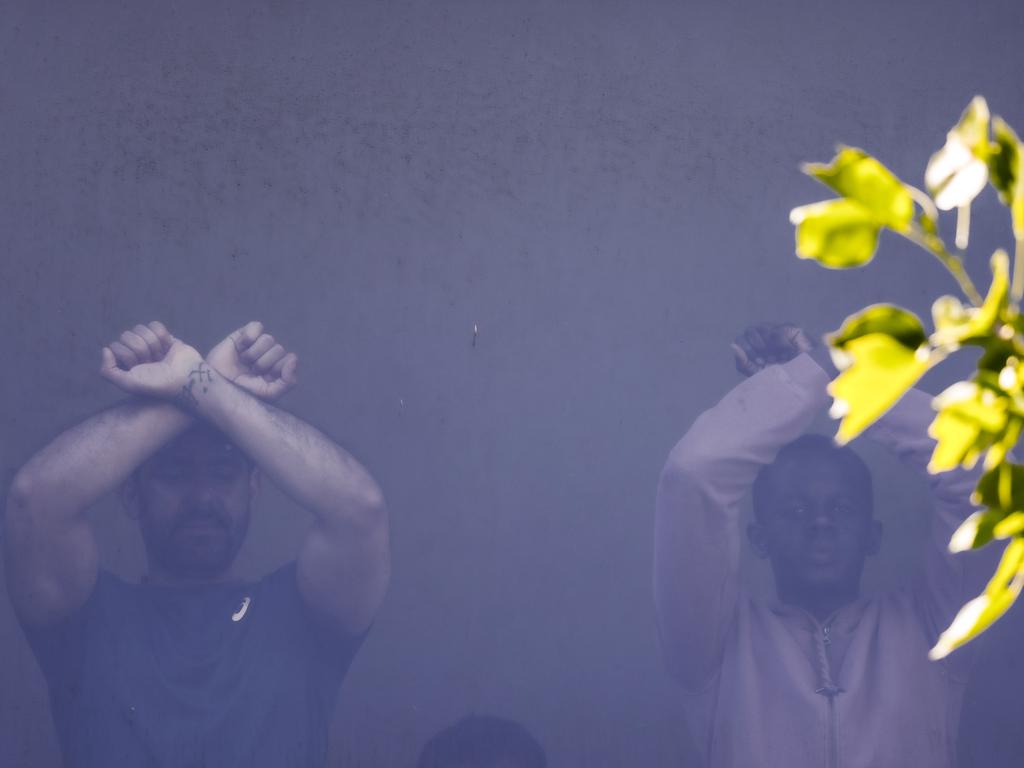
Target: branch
{"points": [[950, 261]]}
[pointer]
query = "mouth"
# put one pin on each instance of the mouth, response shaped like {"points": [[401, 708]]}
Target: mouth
{"points": [[822, 555]]}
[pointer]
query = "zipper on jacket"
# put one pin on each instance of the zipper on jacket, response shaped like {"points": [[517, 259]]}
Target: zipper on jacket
{"points": [[833, 722], [829, 691]]}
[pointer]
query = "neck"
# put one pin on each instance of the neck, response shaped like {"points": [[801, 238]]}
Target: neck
{"points": [[163, 577], [819, 602]]}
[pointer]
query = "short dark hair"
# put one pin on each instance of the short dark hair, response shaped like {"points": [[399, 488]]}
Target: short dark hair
{"points": [[199, 430], [810, 447], [480, 741]]}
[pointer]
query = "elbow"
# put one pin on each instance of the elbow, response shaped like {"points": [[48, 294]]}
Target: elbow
{"points": [[688, 463], [688, 459], [682, 478], [374, 504], [369, 511], [17, 513], [373, 499], [358, 512], [21, 493]]}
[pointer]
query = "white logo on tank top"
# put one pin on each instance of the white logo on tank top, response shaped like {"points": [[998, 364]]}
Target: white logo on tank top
{"points": [[240, 613]]}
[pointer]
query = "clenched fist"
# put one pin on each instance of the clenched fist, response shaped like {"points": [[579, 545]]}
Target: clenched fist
{"points": [[767, 344], [147, 360], [254, 361]]}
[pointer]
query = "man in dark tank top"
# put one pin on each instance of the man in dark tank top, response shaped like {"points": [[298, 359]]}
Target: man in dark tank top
{"points": [[193, 667]]}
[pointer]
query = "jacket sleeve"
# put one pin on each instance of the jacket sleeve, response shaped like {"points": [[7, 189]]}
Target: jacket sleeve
{"points": [[946, 581], [697, 516]]}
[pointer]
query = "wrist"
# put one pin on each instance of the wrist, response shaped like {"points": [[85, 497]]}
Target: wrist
{"points": [[823, 357], [194, 384]]}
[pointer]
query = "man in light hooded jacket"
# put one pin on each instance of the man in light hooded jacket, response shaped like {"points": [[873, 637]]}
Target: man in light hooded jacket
{"points": [[819, 676]]}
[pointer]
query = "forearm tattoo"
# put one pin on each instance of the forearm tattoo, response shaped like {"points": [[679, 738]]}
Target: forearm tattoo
{"points": [[199, 381]]}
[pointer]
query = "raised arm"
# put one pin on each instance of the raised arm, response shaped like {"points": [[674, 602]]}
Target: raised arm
{"points": [[697, 518], [344, 564], [49, 547], [946, 581], [50, 550]]}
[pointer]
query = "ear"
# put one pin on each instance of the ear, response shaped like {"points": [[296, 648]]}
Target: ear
{"points": [[758, 539], [874, 543]]}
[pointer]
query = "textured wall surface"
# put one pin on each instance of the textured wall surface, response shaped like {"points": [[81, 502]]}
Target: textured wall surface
{"points": [[601, 188]]}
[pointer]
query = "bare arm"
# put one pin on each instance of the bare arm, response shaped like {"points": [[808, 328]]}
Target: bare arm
{"points": [[50, 550], [344, 564]]}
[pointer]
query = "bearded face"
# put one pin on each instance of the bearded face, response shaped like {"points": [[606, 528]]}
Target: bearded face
{"points": [[194, 499]]}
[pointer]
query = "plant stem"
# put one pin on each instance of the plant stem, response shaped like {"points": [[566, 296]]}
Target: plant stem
{"points": [[963, 226], [927, 206], [950, 261], [1017, 289]]}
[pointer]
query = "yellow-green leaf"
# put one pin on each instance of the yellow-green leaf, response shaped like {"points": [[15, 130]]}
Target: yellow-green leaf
{"points": [[903, 326], [858, 176], [956, 324], [998, 295], [1011, 525], [998, 353], [972, 129], [970, 419], [836, 233], [958, 172], [975, 531], [882, 352], [1001, 489], [949, 315], [981, 612], [1004, 160], [1004, 165]]}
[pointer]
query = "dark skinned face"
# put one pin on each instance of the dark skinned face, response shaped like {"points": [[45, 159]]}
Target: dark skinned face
{"points": [[817, 530], [193, 501]]}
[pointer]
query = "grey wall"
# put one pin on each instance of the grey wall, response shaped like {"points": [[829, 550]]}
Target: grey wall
{"points": [[602, 188]]}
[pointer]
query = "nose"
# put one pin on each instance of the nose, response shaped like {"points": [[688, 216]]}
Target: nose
{"points": [[202, 492], [821, 518]]}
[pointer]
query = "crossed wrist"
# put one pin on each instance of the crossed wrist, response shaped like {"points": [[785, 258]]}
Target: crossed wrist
{"points": [[195, 384]]}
